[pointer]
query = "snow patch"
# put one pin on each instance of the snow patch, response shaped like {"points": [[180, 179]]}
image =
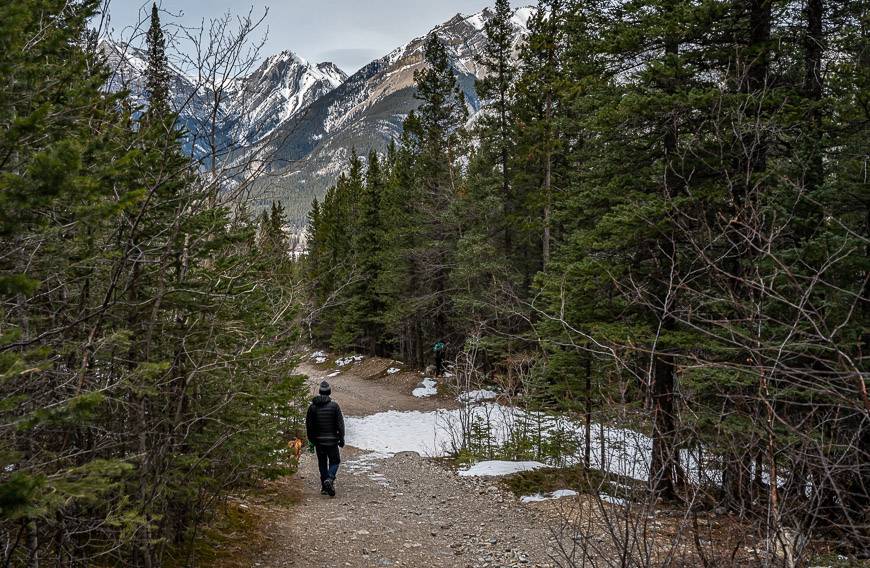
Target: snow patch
{"points": [[494, 468], [477, 396], [538, 497], [393, 370], [348, 360], [393, 431], [522, 16], [437, 433], [333, 374], [612, 500], [427, 388]]}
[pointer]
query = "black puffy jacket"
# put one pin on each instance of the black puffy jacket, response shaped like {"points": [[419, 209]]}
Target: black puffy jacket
{"points": [[324, 422]]}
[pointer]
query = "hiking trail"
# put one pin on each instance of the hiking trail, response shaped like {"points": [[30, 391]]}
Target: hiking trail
{"points": [[402, 510]]}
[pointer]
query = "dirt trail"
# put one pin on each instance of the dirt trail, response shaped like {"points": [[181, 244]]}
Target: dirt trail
{"points": [[400, 511]]}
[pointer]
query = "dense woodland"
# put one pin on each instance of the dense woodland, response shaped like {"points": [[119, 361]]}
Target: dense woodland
{"points": [[143, 326], [659, 222], [660, 219]]}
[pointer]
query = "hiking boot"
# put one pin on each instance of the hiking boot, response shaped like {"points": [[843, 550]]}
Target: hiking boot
{"points": [[330, 489]]}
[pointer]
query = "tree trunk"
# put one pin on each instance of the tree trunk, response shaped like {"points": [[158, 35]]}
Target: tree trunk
{"points": [[588, 426], [548, 183], [665, 470]]}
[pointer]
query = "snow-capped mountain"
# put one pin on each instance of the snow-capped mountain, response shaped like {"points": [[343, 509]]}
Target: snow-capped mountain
{"points": [[281, 87], [308, 115], [249, 109], [366, 112]]}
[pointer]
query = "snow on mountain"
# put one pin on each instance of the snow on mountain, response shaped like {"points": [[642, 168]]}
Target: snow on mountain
{"points": [[310, 116], [366, 111], [128, 65], [282, 86]]}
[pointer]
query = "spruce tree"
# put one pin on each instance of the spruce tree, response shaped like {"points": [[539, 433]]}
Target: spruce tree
{"points": [[157, 72], [495, 92], [439, 128], [538, 118]]}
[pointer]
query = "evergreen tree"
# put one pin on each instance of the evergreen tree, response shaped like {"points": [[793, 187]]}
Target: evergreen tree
{"points": [[157, 72], [130, 311], [538, 118], [495, 91], [439, 128]]}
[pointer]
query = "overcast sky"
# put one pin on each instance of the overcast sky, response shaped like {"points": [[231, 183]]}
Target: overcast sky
{"points": [[350, 33]]}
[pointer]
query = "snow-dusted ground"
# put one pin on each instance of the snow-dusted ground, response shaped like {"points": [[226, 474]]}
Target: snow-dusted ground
{"points": [[477, 396], [366, 464], [558, 494], [427, 388], [497, 468], [349, 359], [393, 431], [612, 500], [619, 451]]}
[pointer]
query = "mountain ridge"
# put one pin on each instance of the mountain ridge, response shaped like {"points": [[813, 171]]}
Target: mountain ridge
{"points": [[295, 122], [366, 112]]}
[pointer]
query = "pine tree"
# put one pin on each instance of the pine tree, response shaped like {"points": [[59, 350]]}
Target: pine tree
{"points": [[130, 311], [439, 128], [157, 73], [495, 92], [538, 112]]}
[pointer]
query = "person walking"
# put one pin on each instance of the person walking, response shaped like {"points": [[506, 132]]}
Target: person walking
{"points": [[324, 425], [438, 349]]}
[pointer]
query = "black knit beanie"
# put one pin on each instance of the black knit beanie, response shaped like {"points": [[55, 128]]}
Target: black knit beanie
{"points": [[325, 389]]}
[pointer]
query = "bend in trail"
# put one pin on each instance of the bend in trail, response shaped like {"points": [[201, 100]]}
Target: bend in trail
{"points": [[401, 510]]}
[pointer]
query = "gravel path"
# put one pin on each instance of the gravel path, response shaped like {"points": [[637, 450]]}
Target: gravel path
{"points": [[404, 510]]}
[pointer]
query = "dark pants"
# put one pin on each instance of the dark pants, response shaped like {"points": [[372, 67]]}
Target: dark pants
{"points": [[439, 363], [328, 459]]}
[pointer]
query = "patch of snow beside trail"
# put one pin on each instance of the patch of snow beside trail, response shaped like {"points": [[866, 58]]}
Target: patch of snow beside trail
{"points": [[348, 360], [613, 500], [320, 360], [428, 388], [497, 468], [537, 497], [438, 433], [393, 431], [333, 374], [365, 462], [393, 370], [477, 396]]}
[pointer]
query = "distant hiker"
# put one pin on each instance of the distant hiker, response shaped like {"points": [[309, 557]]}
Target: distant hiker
{"points": [[438, 348], [324, 425]]}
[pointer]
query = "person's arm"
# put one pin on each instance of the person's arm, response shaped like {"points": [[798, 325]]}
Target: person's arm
{"points": [[310, 425], [339, 422]]}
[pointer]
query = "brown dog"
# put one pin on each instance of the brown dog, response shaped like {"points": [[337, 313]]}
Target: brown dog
{"points": [[296, 445]]}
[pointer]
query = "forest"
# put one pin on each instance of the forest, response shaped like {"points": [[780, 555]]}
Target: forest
{"points": [[658, 222], [144, 330]]}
